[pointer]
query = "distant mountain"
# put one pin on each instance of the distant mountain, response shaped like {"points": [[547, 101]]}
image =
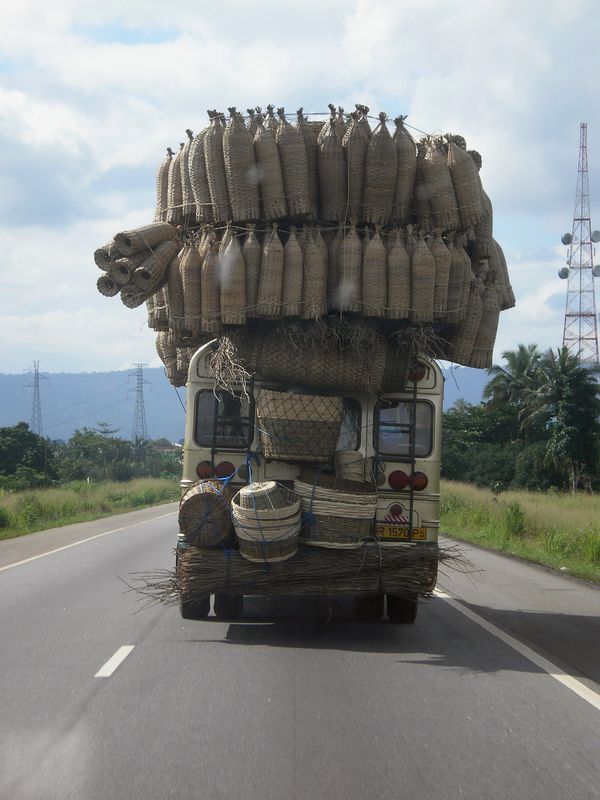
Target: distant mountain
{"points": [[75, 400]]}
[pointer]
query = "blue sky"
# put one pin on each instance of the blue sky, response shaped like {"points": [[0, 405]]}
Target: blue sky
{"points": [[92, 94]]}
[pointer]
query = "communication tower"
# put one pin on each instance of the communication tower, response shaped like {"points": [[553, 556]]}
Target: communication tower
{"points": [[580, 333], [35, 424], [139, 431]]}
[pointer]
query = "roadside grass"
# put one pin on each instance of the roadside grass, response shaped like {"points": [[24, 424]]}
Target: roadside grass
{"points": [[551, 528], [78, 501]]}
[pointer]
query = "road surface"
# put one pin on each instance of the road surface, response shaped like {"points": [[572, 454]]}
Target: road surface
{"points": [[492, 694]]}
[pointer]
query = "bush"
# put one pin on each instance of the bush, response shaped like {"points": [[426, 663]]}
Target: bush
{"points": [[514, 519], [5, 518]]}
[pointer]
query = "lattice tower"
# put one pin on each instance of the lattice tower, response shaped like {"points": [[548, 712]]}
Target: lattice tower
{"points": [[35, 424], [139, 431]]}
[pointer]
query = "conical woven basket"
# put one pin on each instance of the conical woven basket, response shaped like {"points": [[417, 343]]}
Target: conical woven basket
{"points": [[174, 189], [309, 135], [466, 185], [506, 295], [462, 338], [187, 194], [355, 144], [190, 268], [440, 189], [199, 179], [152, 273], [252, 251], [333, 269], [272, 193], [271, 276], [232, 268], [350, 271], [240, 169], [484, 229], [294, 167], [483, 348], [441, 255], [332, 175], [314, 283], [406, 173], [175, 294], [293, 269], [210, 290], [398, 279], [162, 191], [374, 278], [459, 277], [422, 283], [380, 175], [215, 169]]}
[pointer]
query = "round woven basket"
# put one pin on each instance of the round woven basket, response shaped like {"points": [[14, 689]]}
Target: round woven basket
{"points": [[267, 521], [261, 496], [205, 515]]}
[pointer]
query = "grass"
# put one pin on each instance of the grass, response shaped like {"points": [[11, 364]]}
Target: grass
{"points": [[558, 530], [38, 509]]}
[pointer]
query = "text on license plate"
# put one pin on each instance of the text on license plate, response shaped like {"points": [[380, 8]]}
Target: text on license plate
{"points": [[398, 532]]}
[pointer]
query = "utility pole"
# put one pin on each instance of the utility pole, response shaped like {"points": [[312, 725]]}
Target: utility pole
{"points": [[35, 424], [139, 430], [580, 334]]}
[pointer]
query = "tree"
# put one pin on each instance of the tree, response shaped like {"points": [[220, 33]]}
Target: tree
{"points": [[509, 383], [21, 447]]}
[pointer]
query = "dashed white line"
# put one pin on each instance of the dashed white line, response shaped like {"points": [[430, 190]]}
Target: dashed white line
{"points": [[106, 670], [570, 682]]}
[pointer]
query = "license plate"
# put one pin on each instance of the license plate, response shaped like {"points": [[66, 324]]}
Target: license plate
{"points": [[398, 532]]}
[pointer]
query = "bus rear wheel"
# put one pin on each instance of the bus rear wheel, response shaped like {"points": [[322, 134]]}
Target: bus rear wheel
{"points": [[402, 609], [229, 606], [198, 608], [370, 608]]}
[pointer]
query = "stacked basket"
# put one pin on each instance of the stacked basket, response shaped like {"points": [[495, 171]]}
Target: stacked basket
{"points": [[267, 522]]}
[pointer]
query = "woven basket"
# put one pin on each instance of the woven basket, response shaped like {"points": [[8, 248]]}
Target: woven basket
{"points": [[190, 271], [332, 174], [398, 279], [355, 144], [175, 293], [309, 134], [395, 373], [187, 194], [174, 190], [265, 496], [293, 268], [334, 529], [251, 122], [205, 515], [232, 278], [467, 271], [294, 167], [466, 185], [441, 255], [120, 271], [151, 308], [240, 169], [184, 356], [210, 290], [322, 245], [380, 175], [458, 278], [270, 551], [252, 251], [482, 352], [215, 168], [199, 179], [296, 427], [374, 278], [350, 465], [333, 269], [350, 271], [406, 151], [422, 283], [152, 274], [270, 285], [102, 256], [483, 230], [314, 284], [337, 483], [160, 310], [339, 513], [162, 191], [271, 120], [107, 285], [462, 338], [440, 189], [506, 295], [272, 193], [166, 349], [144, 238]]}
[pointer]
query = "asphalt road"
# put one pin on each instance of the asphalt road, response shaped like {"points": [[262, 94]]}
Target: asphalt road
{"points": [[296, 700]]}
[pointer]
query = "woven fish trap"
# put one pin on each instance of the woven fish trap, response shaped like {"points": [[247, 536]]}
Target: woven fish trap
{"points": [[174, 189], [459, 277], [145, 237], [406, 151], [102, 257], [297, 427], [252, 251], [271, 120], [350, 272], [355, 144], [121, 272], [271, 189], [314, 283], [436, 176], [333, 185], [152, 274], [240, 169], [484, 229], [398, 279], [232, 277], [483, 348], [199, 179], [505, 291], [215, 168], [309, 134], [160, 310], [187, 195], [293, 269], [205, 516], [422, 209], [441, 256], [184, 356], [270, 286], [374, 278], [422, 283], [210, 290], [132, 296], [107, 285], [465, 179], [333, 268], [151, 309], [380, 175], [167, 351], [174, 287], [187, 280], [294, 167], [350, 465], [467, 269], [162, 190], [397, 365], [461, 340]]}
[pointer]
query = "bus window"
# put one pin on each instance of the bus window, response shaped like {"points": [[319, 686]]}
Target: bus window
{"points": [[349, 438], [232, 412], [392, 428]]}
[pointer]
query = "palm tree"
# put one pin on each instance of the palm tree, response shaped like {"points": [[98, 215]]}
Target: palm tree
{"points": [[509, 383]]}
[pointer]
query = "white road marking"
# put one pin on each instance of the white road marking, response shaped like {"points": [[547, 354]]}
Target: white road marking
{"points": [[83, 541], [113, 662], [575, 685]]}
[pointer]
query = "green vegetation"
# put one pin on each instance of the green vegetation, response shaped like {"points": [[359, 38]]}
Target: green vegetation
{"points": [[37, 509], [557, 529]]}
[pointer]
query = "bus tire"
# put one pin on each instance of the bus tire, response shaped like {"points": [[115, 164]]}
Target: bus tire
{"points": [[229, 606], [198, 608], [370, 608], [402, 609]]}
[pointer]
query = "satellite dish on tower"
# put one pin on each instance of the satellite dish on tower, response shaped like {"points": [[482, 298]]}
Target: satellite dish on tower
{"points": [[596, 237], [564, 272], [596, 271], [566, 238]]}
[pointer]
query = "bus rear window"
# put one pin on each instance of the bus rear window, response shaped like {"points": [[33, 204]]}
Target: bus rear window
{"points": [[392, 430], [223, 419]]}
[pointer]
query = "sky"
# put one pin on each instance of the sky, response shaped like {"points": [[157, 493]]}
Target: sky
{"points": [[91, 94]]}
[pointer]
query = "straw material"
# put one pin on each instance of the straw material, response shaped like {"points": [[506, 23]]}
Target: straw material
{"points": [[482, 353], [271, 122], [467, 270], [350, 465], [314, 284], [336, 514], [160, 310], [294, 167], [322, 245], [374, 278], [187, 194], [298, 427], [441, 255], [199, 179], [107, 285], [174, 189], [151, 308], [332, 174], [272, 193], [162, 190], [251, 123], [436, 176], [485, 227], [355, 144], [466, 185], [252, 251], [350, 271], [240, 169], [205, 516], [189, 282], [333, 269], [102, 256], [422, 283], [215, 168], [462, 338], [210, 289], [175, 293], [380, 175], [232, 269], [459, 277], [309, 134], [271, 276], [144, 238], [397, 362], [167, 351], [504, 288], [293, 269], [422, 192], [128, 264], [152, 273], [270, 534], [406, 173], [120, 272], [398, 279]]}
